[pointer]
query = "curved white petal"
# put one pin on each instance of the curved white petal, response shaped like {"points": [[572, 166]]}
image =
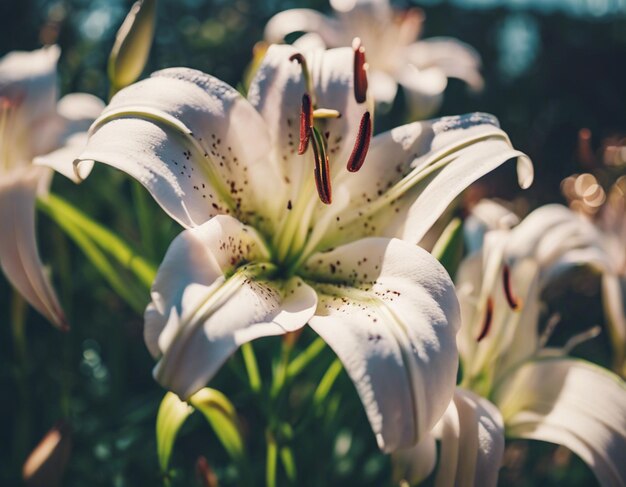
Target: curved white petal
{"points": [[302, 20], [454, 58], [415, 464], [572, 403], [413, 172], [276, 93], [75, 113], [19, 257], [388, 310], [614, 300], [382, 86], [30, 79], [423, 89], [485, 216], [472, 442], [548, 233], [161, 160], [214, 292], [212, 129]]}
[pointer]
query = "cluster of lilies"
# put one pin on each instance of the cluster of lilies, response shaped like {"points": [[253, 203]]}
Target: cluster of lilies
{"points": [[296, 212]]}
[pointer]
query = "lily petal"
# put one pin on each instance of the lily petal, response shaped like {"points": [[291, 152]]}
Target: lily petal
{"points": [[486, 215], [413, 172], [189, 128], [472, 442], [454, 58], [19, 257], [388, 310], [31, 77], [572, 403], [614, 300], [75, 113], [302, 20], [415, 464], [214, 292], [423, 89]]}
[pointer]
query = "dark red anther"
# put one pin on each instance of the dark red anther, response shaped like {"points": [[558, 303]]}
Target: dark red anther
{"points": [[306, 123], [360, 72], [488, 319], [508, 292], [322, 168], [357, 158], [298, 57]]}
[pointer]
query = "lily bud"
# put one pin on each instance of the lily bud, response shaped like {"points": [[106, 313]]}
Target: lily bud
{"points": [[46, 464], [132, 44]]}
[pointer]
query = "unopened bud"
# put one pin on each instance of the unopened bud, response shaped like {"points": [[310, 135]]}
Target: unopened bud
{"points": [[132, 44]]}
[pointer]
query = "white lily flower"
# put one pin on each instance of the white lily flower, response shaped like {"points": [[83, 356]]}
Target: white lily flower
{"points": [[264, 252], [33, 123], [394, 55], [511, 382], [612, 223]]}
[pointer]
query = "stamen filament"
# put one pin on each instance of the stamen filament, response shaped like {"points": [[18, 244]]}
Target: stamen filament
{"points": [[299, 58], [508, 292], [306, 123], [322, 169], [360, 71], [357, 158], [488, 319]]}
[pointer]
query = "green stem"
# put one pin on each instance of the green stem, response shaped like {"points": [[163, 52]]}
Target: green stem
{"points": [[280, 374], [298, 364], [270, 464], [252, 367]]}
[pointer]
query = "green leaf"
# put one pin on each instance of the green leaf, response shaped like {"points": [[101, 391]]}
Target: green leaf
{"points": [[132, 295], [221, 415], [172, 414], [126, 256], [449, 247]]}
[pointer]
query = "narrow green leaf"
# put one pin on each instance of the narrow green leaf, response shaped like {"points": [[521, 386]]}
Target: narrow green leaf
{"points": [[289, 464], [327, 382], [299, 363], [221, 415], [99, 260], [62, 211], [449, 247], [172, 414]]}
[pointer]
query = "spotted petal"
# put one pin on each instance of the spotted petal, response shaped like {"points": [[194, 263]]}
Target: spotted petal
{"points": [[18, 250], [388, 309], [196, 144], [413, 172], [571, 403], [213, 292]]}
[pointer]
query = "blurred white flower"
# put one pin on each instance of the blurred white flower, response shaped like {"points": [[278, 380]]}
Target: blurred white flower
{"points": [[394, 55], [265, 252], [33, 123], [511, 382]]}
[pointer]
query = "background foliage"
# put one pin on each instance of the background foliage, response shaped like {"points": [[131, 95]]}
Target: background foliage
{"points": [[548, 74]]}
